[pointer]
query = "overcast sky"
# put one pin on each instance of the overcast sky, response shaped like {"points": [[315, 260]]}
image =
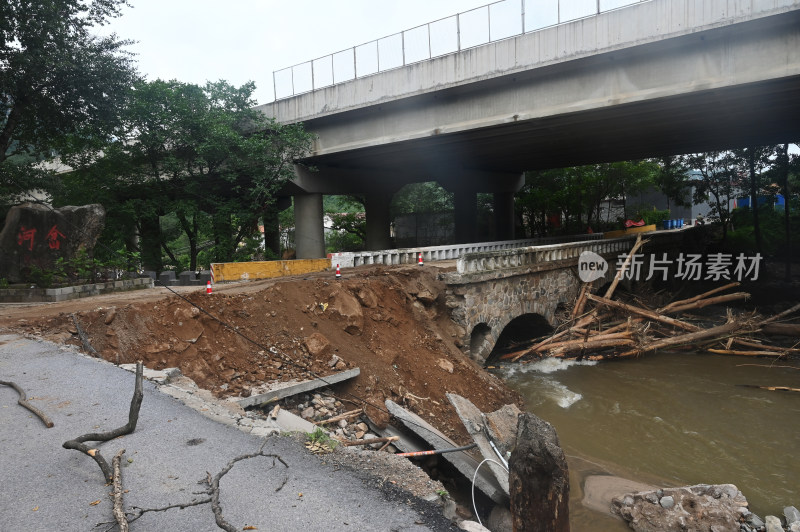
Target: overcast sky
{"points": [[240, 40]]}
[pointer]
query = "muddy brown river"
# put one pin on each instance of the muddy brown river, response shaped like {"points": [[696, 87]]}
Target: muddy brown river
{"points": [[671, 419]]}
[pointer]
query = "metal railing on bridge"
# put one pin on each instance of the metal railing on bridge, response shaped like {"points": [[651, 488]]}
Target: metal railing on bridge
{"points": [[481, 25]]}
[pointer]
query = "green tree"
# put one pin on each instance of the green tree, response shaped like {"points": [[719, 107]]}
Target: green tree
{"points": [[672, 178], [202, 155], [718, 182], [752, 161], [417, 198], [61, 87]]}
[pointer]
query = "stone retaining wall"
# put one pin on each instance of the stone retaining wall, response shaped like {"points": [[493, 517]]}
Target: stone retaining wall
{"points": [[45, 295]]}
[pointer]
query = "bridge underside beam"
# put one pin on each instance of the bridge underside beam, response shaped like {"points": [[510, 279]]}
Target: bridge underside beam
{"points": [[720, 88]]}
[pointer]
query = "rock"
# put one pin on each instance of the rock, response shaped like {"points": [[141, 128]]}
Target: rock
{"points": [[791, 514], [318, 346], [110, 315], [362, 427], [445, 365], [333, 361], [754, 521], [426, 298], [367, 297], [40, 235], [701, 507], [500, 519], [794, 527], [463, 512], [449, 510], [340, 365], [342, 423], [308, 413], [472, 526], [773, 524], [347, 306]]}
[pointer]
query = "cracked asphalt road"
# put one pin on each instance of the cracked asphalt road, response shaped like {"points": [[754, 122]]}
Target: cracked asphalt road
{"points": [[44, 487]]}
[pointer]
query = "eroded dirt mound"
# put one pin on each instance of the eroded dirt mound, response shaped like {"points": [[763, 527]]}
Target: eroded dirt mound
{"points": [[391, 323]]}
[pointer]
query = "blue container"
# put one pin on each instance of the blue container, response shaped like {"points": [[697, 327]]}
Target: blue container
{"points": [[665, 224], [672, 224], [680, 222]]}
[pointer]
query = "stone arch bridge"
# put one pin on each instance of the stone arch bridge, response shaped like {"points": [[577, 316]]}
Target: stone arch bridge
{"points": [[490, 289]]}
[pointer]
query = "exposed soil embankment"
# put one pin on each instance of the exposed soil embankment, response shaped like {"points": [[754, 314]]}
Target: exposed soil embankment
{"points": [[391, 323]]}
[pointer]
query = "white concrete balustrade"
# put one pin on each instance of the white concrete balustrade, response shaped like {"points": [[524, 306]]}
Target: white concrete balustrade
{"points": [[447, 252], [488, 261]]}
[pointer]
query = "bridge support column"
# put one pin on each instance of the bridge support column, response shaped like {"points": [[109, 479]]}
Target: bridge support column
{"points": [[378, 220], [466, 215], [309, 232], [504, 215]]}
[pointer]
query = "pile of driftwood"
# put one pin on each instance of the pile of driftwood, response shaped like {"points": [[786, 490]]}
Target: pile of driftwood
{"points": [[616, 329]]}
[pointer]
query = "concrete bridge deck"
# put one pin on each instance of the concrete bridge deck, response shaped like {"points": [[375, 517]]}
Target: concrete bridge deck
{"points": [[657, 78]]}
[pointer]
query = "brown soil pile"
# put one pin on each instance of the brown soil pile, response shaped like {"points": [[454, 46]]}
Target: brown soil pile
{"points": [[392, 323]]}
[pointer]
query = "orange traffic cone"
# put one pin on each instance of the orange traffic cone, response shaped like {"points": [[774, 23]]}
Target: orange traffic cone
{"points": [[208, 287], [419, 262], [338, 273]]}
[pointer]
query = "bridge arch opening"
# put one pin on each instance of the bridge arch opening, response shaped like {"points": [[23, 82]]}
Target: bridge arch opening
{"points": [[519, 333]]}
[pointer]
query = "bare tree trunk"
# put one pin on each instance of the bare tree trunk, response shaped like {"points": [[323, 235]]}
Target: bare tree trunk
{"points": [[538, 478], [751, 161]]}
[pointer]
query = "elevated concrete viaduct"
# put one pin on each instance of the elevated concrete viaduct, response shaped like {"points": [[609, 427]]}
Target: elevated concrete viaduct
{"points": [[660, 77]]}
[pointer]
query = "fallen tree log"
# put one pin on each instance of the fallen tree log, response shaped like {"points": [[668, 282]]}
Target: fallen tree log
{"points": [[580, 304], [746, 353], [765, 347], [682, 339], [23, 402], [79, 444], [710, 301], [346, 415], [117, 494], [778, 316], [579, 345], [690, 300], [643, 312], [781, 329]]}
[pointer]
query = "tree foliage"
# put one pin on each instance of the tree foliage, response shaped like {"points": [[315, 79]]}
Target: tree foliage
{"points": [[577, 193], [61, 87], [195, 164]]}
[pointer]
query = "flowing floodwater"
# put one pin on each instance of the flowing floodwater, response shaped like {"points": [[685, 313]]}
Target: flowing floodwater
{"points": [[671, 419]]}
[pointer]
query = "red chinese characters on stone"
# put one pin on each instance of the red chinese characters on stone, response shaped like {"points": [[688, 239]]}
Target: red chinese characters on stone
{"points": [[53, 237], [26, 235]]}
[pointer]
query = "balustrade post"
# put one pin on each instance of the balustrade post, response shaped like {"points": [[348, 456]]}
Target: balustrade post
{"points": [[458, 30]]}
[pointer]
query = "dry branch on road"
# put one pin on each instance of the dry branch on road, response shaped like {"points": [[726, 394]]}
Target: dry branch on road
{"points": [[23, 402], [79, 444]]}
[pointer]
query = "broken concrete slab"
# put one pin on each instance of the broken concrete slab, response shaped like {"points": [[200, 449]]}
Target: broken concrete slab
{"points": [[159, 376], [464, 463], [473, 420], [287, 389], [502, 427]]}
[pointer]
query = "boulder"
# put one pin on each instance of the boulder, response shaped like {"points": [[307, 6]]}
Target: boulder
{"points": [[318, 346], [347, 306], [702, 507], [37, 236]]}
